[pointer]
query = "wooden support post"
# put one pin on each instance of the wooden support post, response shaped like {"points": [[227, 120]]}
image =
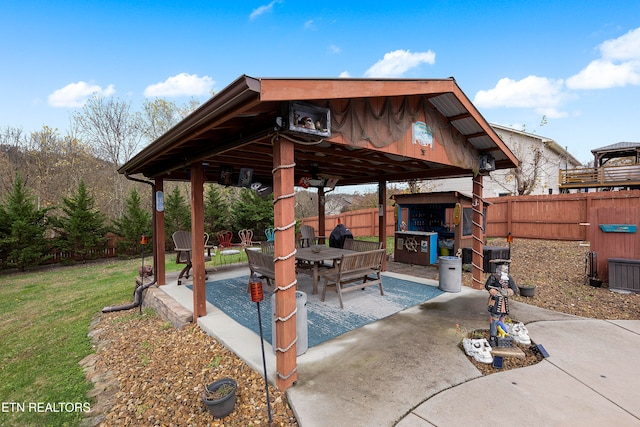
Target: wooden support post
{"points": [[477, 206], [158, 235], [382, 218], [285, 267], [197, 241]]}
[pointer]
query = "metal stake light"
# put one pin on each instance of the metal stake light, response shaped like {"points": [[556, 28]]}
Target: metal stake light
{"points": [[257, 295]]}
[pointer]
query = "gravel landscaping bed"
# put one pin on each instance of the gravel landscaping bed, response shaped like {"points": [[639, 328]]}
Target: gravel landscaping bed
{"points": [[557, 268]]}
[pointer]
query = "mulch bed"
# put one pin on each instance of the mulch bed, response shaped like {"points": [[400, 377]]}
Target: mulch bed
{"points": [[162, 371]]}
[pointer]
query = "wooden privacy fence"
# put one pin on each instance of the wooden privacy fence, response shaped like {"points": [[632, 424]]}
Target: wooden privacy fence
{"points": [[615, 245], [553, 217], [570, 217], [363, 222], [546, 217], [109, 250]]}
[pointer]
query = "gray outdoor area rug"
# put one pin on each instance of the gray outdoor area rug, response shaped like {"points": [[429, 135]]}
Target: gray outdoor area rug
{"points": [[326, 320]]}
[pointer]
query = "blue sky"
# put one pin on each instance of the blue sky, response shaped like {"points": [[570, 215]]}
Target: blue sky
{"points": [[577, 63]]}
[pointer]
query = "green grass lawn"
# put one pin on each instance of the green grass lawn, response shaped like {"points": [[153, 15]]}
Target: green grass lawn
{"points": [[44, 320], [389, 246], [43, 328]]}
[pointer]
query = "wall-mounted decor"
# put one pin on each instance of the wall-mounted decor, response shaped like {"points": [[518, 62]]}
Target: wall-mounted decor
{"points": [[618, 228], [263, 190], [332, 182], [226, 171], [304, 181], [422, 134], [309, 119], [487, 163], [159, 201], [246, 175]]}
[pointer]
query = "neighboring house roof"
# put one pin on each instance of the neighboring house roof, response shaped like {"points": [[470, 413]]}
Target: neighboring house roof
{"points": [[550, 143], [617, 147]]}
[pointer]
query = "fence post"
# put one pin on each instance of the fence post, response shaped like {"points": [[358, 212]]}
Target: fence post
{"points": [[509, 214]]}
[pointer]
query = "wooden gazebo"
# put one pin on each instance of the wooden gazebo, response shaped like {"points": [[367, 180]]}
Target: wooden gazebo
{"points": [[361, 131]]}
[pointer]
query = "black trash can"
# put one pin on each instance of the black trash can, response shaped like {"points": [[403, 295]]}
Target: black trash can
{"points": [[337, 236]]}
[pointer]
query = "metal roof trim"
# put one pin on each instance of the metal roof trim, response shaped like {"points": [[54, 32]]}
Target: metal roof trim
{"points": [[243, 87]]}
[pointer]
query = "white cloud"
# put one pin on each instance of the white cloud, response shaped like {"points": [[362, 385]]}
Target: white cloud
{"points": [[540, 93], [624, 48], [263, 9], [76, 94], [398, 62], [618, 66], [182, 84], [344, 75], [334, 49], [602, 74]]}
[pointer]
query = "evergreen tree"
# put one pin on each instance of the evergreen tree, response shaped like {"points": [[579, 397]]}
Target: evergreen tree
{"points": [[217, 215], [81, 227], [5, 237], [177, 216], [23, 226], [133, 223], [253, 212]]}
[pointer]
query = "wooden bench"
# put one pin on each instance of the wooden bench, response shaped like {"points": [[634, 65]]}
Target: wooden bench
{"points": [[361, 245], [355, 271], [261, 264]]}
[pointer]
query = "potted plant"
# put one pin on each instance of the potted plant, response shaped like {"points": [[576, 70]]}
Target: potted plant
{"points": [[527, 289], [220, 397]]}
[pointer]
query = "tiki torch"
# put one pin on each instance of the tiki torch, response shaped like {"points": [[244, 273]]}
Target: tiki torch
{"points": [[255, 285]]}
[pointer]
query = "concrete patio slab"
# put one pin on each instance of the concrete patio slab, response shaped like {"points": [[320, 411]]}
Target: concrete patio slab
{"points": [[408, 370]]}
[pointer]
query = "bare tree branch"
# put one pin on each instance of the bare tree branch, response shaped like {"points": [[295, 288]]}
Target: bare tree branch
{"points": [[110, 128]]}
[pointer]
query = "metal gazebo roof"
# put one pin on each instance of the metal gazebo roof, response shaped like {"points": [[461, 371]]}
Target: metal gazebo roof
{"points": [[237, 126]]}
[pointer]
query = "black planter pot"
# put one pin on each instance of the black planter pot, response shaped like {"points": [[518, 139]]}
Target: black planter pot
{"points": [[223, 406], [527, 291]]}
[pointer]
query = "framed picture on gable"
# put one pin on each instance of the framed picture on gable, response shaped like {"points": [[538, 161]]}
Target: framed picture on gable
{"points": [[226, 171], [245, 178]]}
